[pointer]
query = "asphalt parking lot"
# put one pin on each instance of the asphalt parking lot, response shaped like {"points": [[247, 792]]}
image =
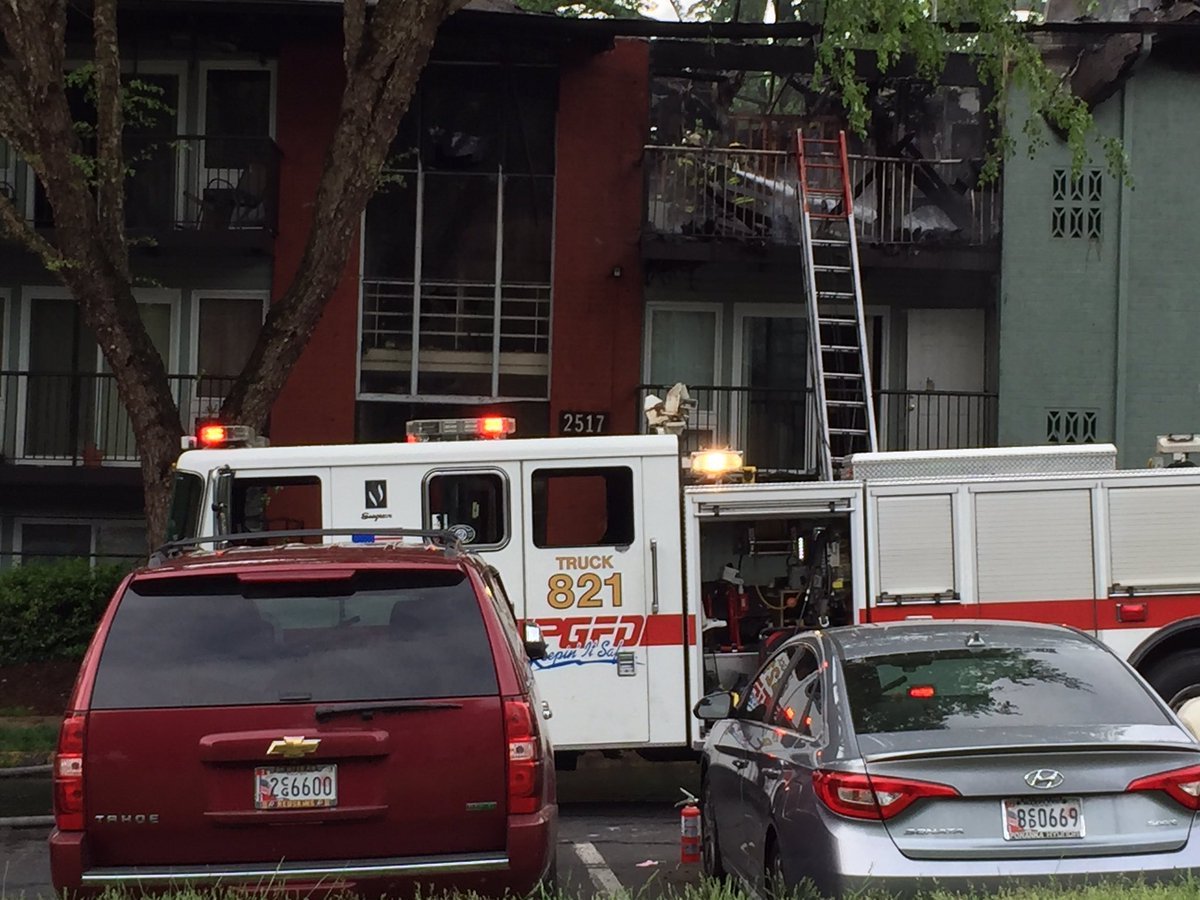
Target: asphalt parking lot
{"points": [[627, 842]]}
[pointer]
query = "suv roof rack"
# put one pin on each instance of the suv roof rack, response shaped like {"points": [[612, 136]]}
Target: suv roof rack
{"points": [[446, 540]]}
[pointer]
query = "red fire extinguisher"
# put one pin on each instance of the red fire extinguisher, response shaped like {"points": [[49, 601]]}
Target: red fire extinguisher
{"points": [[689, 830]]}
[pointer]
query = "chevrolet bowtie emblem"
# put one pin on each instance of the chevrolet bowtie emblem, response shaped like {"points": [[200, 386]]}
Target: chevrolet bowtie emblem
{"points": [[293, 747]]}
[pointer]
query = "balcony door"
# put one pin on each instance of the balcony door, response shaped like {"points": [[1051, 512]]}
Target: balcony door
{"points": [[237, 113], [154, 193], [683, 344], [770, 366], [69, 407], [946, 353]]}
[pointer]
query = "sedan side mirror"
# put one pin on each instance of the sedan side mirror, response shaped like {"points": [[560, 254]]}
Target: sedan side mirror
{"points": [[535, 644], [715, 707]]}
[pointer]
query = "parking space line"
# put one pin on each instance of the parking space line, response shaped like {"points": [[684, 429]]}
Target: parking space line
{"points": [[602, 876]]}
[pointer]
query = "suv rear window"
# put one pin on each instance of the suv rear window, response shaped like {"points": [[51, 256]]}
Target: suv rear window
{"points": [[216, 641], [998, 687]]}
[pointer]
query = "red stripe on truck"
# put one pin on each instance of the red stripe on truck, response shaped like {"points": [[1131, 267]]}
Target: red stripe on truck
{"points": [[1090, 614], [574, 632]]}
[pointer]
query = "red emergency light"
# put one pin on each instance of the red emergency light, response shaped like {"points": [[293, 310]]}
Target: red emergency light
{"points": [[922, 692], [212, 435], [219, 436]]}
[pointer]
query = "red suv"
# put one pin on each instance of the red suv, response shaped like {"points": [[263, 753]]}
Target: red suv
{"points": [[358, 718]]}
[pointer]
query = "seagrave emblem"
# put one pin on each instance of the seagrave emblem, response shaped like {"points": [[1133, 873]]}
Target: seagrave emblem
{"points": [[376, 492]]}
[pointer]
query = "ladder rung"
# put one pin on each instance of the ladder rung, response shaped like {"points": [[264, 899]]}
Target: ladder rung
{"points": [[844, 376], [832, 192], [817, 215], [840, 348], [837, 295], [847, 431], [836, 321], [832, 269], [827, 242], [813, 140], [856, 404]]}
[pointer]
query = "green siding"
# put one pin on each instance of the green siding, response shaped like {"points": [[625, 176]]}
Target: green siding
{"points": [[1060, 297]]}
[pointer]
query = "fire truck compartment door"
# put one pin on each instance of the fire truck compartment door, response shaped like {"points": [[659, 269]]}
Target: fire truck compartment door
{"points": [[587, 584]]}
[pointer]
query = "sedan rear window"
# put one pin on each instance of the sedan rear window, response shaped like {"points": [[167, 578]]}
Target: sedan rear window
{"points": [[997, 687], [216, 641]]}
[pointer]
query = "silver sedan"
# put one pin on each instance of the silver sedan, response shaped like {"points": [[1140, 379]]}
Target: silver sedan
{"points": [[952, 755]]}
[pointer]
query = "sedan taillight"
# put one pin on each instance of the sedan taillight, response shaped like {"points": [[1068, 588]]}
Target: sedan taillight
{"points": [[525, 772], [68, 774], [861, 796], [1183, 785]]}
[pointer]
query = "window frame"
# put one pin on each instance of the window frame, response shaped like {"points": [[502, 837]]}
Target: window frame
{"points": [[505, 506]]}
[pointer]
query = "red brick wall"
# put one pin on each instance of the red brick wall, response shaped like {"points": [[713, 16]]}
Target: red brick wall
{"points": [[603, 112], [317, 404]]}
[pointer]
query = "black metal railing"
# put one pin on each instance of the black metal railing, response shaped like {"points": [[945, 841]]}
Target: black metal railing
{"points": [[77, 417], [936, 420], [776, 428], [194, 182]]}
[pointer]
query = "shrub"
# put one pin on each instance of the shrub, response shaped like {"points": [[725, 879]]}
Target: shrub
{"points": [[50, 611]]}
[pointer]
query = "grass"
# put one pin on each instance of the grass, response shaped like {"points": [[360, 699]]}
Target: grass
{"points": [[34, 738], [15, 712]]}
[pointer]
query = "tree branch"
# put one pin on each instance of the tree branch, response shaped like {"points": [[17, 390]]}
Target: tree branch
{"points": [[110, 165], [13, 224]]}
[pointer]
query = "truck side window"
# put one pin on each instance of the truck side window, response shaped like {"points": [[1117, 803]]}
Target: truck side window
{"points": [[277, 504], [475, 504], [583, 507]]}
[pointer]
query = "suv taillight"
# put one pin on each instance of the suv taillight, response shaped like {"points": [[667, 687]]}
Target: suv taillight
{"points": [[524, 757], [859, 796], [68, 774]]}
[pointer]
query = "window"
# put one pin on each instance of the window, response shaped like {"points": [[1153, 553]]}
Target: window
{"points": [[276, 504], [212, 641], [1061, 684], [183, 518], [799, 707], [474, 504], [754, 705], [113, 541], [471, 183], [237, 104], [1076, 204], [53, 541], [583, 507]]}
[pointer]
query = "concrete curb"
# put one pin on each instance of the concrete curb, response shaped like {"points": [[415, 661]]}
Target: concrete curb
{"points": [[25, 771], [27, 822]]}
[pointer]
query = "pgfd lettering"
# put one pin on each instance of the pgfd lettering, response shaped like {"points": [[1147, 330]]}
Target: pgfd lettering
{"points": [[575, 563], [585, 591], [578, 633]]}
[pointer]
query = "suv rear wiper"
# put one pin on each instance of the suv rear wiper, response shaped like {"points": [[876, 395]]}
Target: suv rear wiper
{"points": [[367, 710]]}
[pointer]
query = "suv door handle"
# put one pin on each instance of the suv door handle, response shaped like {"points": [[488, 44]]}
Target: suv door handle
{"points": [[771, 774], [740, 763], [547, 712]]}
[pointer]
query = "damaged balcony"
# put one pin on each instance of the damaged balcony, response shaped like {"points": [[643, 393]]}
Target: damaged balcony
{"points": [[182, 191], [708, 197]]}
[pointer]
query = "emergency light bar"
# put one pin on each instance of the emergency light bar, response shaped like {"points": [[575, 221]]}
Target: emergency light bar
{"points": [[217, 436], [482, 428]]}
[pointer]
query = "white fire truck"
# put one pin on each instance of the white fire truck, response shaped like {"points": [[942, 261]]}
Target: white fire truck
{"points": [[650, 591]]}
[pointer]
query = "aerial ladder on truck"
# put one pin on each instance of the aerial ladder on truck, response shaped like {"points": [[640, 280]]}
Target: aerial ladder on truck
{"points": [[838, 359]]}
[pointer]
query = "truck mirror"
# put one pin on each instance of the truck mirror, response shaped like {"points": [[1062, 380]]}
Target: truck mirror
{"points": [[535, 644]]}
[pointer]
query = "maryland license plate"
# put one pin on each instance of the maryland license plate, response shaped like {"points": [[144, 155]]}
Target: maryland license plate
{"points": [[295, 787], [1054, 818]]}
